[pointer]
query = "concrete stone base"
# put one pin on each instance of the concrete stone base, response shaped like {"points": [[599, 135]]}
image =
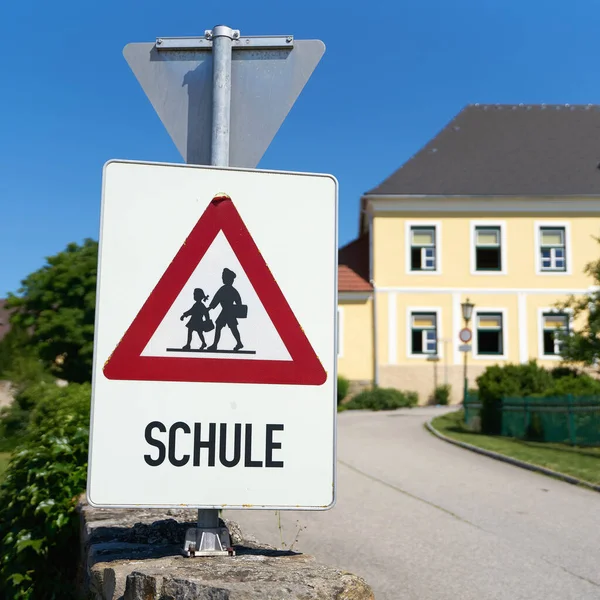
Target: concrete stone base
{"points": [[134, 554], [421, 379]]}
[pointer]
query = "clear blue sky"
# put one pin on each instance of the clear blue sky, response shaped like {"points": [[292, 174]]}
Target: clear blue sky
{"points": [[393, 74]]}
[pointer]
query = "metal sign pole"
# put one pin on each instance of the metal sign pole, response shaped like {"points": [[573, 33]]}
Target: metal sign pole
{"points": [[208, 534], [222, 38], [190, 104]]}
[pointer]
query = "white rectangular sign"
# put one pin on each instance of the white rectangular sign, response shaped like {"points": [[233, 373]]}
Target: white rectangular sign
{"points": [[215, 351]]}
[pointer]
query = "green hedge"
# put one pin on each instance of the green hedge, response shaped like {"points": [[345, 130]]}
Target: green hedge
{"points": [[14, 419], [47, 473], [525, 380], [382, 399]]}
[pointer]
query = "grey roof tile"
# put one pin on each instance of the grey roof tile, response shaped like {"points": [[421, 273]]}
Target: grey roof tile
{"points": [[539, 149]]}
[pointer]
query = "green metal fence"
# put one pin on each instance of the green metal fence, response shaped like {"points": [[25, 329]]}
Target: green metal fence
{"points": [[472, 407], [571, 420], [566, 419]]}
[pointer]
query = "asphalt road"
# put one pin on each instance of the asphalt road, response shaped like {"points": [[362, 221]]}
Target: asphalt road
{"points": [[421, 519]]}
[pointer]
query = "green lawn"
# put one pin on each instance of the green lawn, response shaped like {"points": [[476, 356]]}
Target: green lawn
{"points": [[4, 456], [583, 463]]}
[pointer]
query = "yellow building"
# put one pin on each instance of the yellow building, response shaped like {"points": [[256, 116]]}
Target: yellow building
{"points": [[502, 207]]}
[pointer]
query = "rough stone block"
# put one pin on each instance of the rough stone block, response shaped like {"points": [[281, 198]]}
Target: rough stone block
{"points": [[135, 554]]}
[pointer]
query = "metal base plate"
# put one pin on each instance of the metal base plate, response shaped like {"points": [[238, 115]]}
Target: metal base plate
{"points": [[207, 541]]}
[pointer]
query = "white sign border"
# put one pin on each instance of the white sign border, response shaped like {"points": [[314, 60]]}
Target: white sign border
{"points": [[335, 345]]}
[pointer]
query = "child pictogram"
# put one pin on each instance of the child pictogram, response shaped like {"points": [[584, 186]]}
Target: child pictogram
{"points": [[232, 309], [199, 319]]}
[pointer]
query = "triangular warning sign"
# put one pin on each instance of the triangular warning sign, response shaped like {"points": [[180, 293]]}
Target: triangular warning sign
{"points": [[130, 362]]}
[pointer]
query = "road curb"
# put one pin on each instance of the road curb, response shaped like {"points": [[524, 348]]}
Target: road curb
{"points": [[512, 461]]}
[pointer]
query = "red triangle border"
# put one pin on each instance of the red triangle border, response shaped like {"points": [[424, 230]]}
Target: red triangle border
{"points": [[126, 362]]}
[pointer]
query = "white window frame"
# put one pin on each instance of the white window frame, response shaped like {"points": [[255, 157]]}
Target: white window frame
{"points": [[340, 331], [537, 232], [438, 328], [483, 310], [540, 321], [485, 223], [437, 225]]}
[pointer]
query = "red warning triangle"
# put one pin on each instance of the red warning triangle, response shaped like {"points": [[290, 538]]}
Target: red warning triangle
{"points": [[127, 362]]}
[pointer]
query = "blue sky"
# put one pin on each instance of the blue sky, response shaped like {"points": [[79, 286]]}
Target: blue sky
{"points": [[393, 74]]}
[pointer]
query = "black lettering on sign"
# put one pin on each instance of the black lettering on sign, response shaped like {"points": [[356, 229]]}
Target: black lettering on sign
{"points": [[162, 451], [177, 462], [263, 444], [271, 445], [211, 444], [237, 445], [248, 462]]}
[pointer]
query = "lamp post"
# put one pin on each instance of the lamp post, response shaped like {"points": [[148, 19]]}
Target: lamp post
{"points": [[467, 312]]}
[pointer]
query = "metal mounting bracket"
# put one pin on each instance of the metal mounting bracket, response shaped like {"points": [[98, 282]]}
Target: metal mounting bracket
{"points": [[207, 541], [238, 43]]}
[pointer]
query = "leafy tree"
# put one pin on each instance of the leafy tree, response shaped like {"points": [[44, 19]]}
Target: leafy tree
{"points": [[583, 345], [56, 305]]}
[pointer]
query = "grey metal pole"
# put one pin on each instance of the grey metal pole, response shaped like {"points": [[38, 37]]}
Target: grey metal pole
{"points": [[222, 38], [466, 382]]}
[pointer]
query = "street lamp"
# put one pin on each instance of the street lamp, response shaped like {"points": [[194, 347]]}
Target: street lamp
{"points": [[467, 312]]}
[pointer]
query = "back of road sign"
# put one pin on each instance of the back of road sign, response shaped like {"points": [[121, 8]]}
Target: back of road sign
{"points": [[214, 359], [265, 85]]}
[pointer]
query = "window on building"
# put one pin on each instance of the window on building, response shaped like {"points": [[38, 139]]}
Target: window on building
{"points": [[424, 333], [488, 255], [552, 249], [554, 327], [422, 249], [489, 333]]}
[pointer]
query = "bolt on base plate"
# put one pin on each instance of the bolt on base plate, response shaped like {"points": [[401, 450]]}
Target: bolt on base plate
{"points": [[207, 541]]}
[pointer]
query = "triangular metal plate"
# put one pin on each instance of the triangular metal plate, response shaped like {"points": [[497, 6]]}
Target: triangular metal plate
{"points": [[265, 85]]}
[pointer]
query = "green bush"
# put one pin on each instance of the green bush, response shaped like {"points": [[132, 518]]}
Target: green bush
{"points": [[19, 362], [527, 380], [509, 380], [562, 371], [22, 367], [46, 474], [382, 399], [342, 388], [14, 419], [574, 384], [441, 394], [13, 426]]}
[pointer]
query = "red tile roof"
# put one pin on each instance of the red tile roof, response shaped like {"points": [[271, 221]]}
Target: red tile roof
{"points": [[353, 266]]}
